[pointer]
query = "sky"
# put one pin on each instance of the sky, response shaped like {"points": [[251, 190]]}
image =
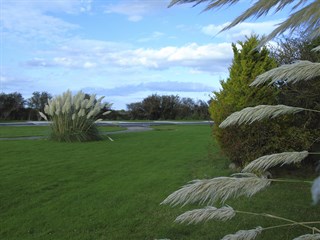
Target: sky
{"points": [[124, 50]]}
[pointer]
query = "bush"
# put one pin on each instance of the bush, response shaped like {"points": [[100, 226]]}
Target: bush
{"points": [[244, 143], [74, 117]]}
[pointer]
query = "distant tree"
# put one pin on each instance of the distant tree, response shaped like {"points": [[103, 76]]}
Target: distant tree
{"points": [[9, 103], [169, 106], [151, 105], [287, 50], [136, 111], [37, 103], [186, 108], [39, 100], [201, 110]]}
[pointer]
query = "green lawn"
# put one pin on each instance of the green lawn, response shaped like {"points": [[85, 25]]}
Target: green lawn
{"points": [[112, 190], [27, 131]]}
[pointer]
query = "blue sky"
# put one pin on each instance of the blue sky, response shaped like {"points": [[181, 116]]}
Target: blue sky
{"points": [[124, 50]]}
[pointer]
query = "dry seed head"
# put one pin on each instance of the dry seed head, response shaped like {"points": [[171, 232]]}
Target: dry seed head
{"points": [[291, 73], [84, 103], [66, 107], [257, 113], [265, 162], [78, 100], [100, 99], [105, 113], [81, 113], [43, 116], [217, 189], [308, 237], [208, 213], [46, 109], [91, 101], [244, 234]]}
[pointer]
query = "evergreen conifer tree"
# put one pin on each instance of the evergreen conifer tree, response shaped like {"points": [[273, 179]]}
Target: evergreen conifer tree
{"points": [[240, 143]]}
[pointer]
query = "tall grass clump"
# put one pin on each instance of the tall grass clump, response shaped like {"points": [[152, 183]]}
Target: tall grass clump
{"points": [[74, 117]]}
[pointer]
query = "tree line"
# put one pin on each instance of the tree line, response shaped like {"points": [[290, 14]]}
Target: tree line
{"points": [[14, 107], [168, 107], [155, 107]]}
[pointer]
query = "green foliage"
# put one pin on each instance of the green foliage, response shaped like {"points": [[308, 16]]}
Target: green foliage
{"points": [[73, 117], [243, 143], [9, 103], [304, 127], [168, 107]]}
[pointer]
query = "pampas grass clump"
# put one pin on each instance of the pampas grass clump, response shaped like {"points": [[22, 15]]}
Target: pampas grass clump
{"points": [[74, 117]]}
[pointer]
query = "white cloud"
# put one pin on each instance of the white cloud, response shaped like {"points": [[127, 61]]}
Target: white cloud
{"points": [[135, 10], [34, 20], [241, 30], [211, 58]]}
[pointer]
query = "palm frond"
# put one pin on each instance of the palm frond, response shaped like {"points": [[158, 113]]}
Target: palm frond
{"points": [[244, 234], [308, 16], [257, 113], [216, 189], [298, 71], [208, 213], [265, 162], [308, 237], [315, 190]]}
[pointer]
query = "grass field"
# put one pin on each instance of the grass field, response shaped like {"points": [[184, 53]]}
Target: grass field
{"points": [[112, 190]]}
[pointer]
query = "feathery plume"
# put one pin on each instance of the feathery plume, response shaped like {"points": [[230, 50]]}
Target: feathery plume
{"points": [[216, 189], [268, 161], [208, 213], [244, 234], [315, 190], [298, 71], [105, 113], [84, 103], [316, 49], [43, 116], [308, 237], [91, 101], [81, 113], [257, 113]]}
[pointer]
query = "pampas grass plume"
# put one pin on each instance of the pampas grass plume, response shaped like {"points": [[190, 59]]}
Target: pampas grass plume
{"points": [[257, 113], [308, 237], [217, 189], [244, 234], [265, 162], [43, 116], [208, 213], [291, 73]]}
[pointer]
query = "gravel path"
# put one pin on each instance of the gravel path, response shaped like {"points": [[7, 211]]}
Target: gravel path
{"points": [[128, 130]]}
